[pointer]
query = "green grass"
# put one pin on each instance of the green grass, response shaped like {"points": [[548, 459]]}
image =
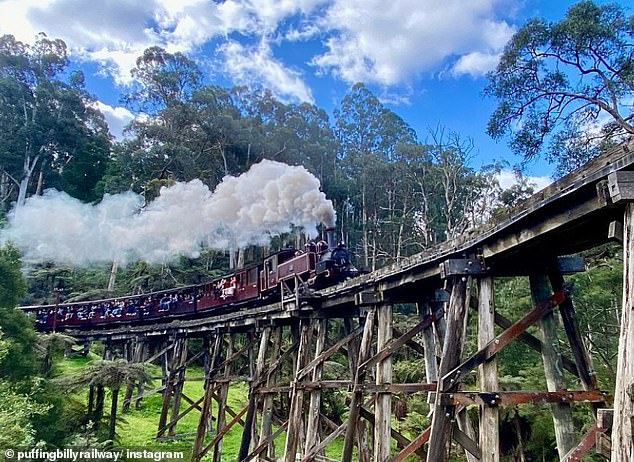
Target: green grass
{"points": [[138, 427]]}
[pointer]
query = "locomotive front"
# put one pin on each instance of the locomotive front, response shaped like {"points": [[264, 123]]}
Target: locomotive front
{"points": [[335, 263]]}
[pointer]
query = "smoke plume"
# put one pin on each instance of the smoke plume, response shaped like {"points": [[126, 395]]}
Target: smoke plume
{"points": [[183, 219]]}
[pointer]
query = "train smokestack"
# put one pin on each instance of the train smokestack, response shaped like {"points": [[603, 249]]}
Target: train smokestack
{"points": [[330, 237]]}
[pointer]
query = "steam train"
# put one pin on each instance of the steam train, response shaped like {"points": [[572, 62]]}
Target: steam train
{"points": [[320, 264]]}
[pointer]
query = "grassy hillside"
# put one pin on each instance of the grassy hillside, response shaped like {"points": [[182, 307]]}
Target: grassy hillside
{"points": [[137, 428]]}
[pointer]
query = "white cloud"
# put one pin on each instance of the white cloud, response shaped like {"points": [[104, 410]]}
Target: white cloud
{"points": [[256, 65], [115, 32], [476, 64], [387, 43], [116, 117], [374, 41], [507, 178]]}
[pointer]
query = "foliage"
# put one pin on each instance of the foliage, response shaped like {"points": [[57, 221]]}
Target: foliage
{"points": [[49, 123], [111, 374], [12, 285], [558, 82], [17, 411]]}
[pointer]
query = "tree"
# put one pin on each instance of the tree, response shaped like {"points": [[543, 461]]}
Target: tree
{"points": [[368, 136], [110, 374], [164, 79], [50, 128], [557, 83]]}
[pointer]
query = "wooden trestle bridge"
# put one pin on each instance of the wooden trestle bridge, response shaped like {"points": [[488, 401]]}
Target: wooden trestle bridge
{"points": [[587, 208]]}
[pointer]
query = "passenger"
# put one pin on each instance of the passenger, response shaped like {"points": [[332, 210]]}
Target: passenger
{"points": [[164, 304]]}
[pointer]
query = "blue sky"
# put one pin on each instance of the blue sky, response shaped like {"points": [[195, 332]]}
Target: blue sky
{"points": [[425, 59]]}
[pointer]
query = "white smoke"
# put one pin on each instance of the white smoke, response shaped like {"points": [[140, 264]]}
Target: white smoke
{"points": [[186, 217]]}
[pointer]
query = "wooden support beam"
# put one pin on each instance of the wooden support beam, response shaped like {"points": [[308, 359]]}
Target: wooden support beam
{"points": [[623, 428], [396, 387], [324, 355], [357, 395], [585, 445], [429, 349], [487, 373], [534, 343], [462, 267], [312, 427], [467, 443], [137, 351], [583, 361], [414, 446], [621, 186], [352, 352], [295, 421], [393, 345], [401, 441], [417, 347], [266, 443], [193, 405], [540, 309], [441, 419], [512, 398], [255, 366], [170, 384], [214, 354], [325, 442], [555, 380], [267, 403], [383, 400], [223, 392], [223, 432], [179, 382]]}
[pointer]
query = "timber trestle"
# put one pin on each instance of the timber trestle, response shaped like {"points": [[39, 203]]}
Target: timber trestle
{"points": [[296, 359]]}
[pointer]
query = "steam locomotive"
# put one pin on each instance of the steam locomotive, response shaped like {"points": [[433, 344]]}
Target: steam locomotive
{"points": [[320, 264]]}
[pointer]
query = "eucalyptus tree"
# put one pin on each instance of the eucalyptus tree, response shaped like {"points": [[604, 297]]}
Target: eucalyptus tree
{"points": [[50, 127], [567, 84], [368, 135]]}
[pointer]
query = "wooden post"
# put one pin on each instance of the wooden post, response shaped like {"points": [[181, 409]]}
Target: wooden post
{"points": [[429, 344], [562, 413], [383, 401], [223, 392], [363, 446], [249, 421], [165, 367], [295, 420], [487, 373], [623, 426], [178, 378], [136, 356], [312, 428], [583, 360], [203, 422], [357, 395], [267, 404], [169, 388], [441, 421]]}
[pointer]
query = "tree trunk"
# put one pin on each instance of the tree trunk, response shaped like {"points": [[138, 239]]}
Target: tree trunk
{"points": [[364, 218], [99, 402], [112, 427], [27, 172], [113, 275], [40, 182], [91, 400]]}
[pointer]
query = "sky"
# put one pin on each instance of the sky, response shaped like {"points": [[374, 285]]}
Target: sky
{"points": [[425, 59]]}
